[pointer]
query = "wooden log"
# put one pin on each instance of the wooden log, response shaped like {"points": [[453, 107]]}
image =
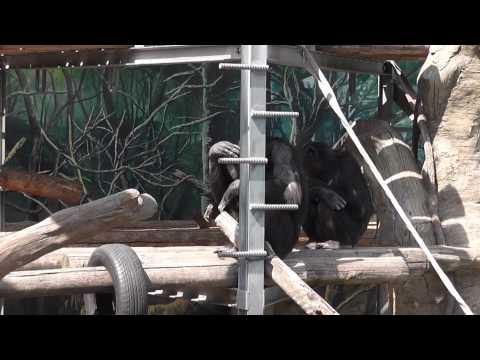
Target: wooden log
{"points": [[11, 227], [72, 225], [48, 261], [229, 227], [157, 237], [303, 295], [200, 267], [174, 233], [161, 234], [379, 52], [41, 185]]}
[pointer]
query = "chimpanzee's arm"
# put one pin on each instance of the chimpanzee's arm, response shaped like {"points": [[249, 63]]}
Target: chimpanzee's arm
{"points": [[321, 192], [283, 171], [355, 188], [219, 176], [232, 192]]}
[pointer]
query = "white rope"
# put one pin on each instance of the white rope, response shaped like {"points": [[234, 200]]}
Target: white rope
{"points": [[332, 100]]}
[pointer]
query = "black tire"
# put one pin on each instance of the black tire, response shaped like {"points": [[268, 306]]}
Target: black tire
{"points": [[130, 282]]}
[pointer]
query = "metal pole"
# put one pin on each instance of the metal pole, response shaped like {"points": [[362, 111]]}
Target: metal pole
{"points": [[3, 114], [250, 295], [385, 97]]}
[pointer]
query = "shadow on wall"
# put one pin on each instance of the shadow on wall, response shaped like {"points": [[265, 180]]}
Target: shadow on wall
{"points": [[455, 231]]}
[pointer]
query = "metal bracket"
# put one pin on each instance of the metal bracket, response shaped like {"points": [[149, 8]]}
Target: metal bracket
{"points": [[251, 67], [243, 255], [248, 160], [274, 207]]}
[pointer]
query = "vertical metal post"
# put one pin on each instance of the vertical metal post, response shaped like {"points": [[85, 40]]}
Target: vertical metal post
{"points": [[3, 114], [250, 295], [385, 97]]}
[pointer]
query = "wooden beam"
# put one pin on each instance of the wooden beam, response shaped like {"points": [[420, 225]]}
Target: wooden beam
{"points": [[166, 233], [71, 225], [149, 233], [302, 294], [379, 52], [200, 267]]}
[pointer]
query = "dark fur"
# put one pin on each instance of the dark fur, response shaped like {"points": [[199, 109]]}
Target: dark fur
{"points": [[338, 171], [282, 228]]}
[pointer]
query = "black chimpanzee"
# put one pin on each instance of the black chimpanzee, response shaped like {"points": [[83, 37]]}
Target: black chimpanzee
{"points": [[340, 204], [284, 184]]}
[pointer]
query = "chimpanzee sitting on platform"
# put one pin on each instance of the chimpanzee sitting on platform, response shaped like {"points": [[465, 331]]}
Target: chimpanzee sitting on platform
{"points": [[284, 184], [340, 204]]}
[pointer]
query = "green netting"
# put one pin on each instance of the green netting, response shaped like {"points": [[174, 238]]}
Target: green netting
{"points": [[144, 127]]}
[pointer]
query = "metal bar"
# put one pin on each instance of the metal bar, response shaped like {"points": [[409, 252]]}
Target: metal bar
{"points": [[250, 295], [155, 55], [181, 54]]}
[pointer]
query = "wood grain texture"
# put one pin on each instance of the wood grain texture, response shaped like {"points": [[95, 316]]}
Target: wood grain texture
{"points": [[72, 225], [200, 267]]}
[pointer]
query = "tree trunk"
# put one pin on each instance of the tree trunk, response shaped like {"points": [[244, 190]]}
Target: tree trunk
{"points": [[448, 85], [397, 165]]}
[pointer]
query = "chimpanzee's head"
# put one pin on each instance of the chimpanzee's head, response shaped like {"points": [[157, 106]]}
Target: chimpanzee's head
{"points": [[318, 158]]}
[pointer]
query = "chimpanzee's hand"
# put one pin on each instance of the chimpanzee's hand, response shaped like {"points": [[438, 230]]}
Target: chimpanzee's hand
{"points": [[334, 200], [232, 192], [224, 149]]}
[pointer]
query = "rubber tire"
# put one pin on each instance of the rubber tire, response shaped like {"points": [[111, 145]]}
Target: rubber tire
{"points": [[130, 282]]}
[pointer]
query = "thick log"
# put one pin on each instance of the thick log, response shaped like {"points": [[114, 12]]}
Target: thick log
{"points": [[379, 52], [40, 185], [395, 161], [229, 227], [302, 294], [72, 225], [200, 267], [151, 233]]}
